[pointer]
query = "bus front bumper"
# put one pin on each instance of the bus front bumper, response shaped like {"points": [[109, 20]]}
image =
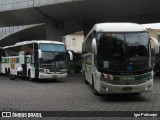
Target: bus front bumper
{"points": [[106, 88], [52, 76]]}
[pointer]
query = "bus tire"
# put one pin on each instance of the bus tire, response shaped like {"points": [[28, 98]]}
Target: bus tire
{"points": [[6, 72], [95, 92]]}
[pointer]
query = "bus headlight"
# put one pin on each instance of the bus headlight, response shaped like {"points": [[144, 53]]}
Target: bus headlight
{"points": [[106, 77], [46, 70]]}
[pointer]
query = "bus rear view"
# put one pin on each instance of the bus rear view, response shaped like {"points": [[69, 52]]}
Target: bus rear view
{"points": [[117, 59]]}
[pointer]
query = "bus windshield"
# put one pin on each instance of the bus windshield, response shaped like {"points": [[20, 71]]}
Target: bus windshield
{"points": [[123, 51], [52, 47], [53, 56]]}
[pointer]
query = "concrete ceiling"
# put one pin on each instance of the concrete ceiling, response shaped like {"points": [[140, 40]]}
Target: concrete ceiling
{"points": [[79, 13], [32, 33], [87, 11]]}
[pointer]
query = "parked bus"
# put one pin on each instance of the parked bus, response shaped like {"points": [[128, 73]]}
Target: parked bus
{"points": [[74, 62], [39, 59], [116, 58]]}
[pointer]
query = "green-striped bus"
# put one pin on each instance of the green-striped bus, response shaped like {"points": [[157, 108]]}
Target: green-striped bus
{"points": [[116, 58], [39, 59]]}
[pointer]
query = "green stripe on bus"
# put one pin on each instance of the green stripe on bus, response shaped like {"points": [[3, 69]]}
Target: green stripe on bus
{"points": [[5, 60], [137, 77], [14, 60], [50, 70], [8, 60], [17, 60]]}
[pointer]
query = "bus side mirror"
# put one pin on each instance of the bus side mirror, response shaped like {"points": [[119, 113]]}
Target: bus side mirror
{"points": [[94, 46], [39, 53], [70, 55]]}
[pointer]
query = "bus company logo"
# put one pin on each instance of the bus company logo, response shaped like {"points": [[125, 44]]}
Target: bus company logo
{"points": [[127, 78], [21, 114], [6, 114]]}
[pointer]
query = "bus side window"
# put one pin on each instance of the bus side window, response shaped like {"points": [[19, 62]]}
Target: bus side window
{"points": [[3, 53], [94, 34]]}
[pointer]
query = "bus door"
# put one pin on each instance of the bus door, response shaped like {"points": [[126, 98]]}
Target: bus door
{"points": [[24, 66], [36, 60], [23, 62]]}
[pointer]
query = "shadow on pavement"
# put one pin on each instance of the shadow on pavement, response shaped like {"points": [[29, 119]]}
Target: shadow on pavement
{"points": [[123, 98]]}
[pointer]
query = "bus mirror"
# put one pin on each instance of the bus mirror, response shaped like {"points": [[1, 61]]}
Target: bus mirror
{"points": [[39, 53], [70, 55], [94, 46], [154, 45]]}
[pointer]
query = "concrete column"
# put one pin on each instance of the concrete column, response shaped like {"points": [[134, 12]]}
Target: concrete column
{"points": [[53, 29]]}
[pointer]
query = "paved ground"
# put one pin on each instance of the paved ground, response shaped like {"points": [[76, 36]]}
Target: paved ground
{"points": [[70, 94]]}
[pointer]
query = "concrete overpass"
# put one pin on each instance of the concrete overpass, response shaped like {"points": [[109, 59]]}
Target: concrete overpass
{"points": [[66, 16], [23, 33]]}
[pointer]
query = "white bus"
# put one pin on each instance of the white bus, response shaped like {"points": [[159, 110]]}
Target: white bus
{"points": [[116, 58], [39, 59]]}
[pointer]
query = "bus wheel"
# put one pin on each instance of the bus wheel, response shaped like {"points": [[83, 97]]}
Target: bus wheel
{"points": [[6, 72], [95, 92], [85, 81]]}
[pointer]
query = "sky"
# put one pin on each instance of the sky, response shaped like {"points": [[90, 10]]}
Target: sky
{"points": [[153, 25]]}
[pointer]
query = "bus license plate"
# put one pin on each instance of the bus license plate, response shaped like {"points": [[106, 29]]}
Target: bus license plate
{"points": [[127, 89]]}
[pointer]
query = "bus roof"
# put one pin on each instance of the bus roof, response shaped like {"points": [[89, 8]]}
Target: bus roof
{"points": [[117, 27], [34, 41]]}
